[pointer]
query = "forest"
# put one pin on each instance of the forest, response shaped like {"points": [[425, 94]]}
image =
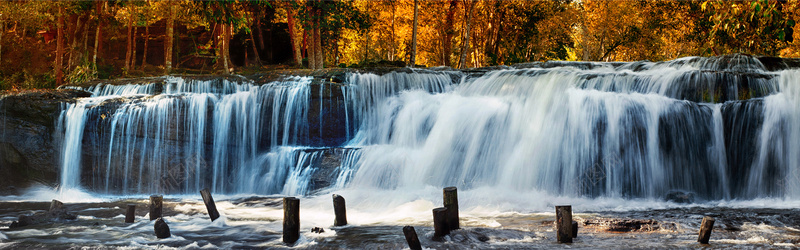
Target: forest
{"points": [[45, 44]]}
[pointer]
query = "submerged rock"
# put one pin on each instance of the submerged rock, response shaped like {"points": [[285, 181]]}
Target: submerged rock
{"points": [[161, 228], [680, 197], [57, 213]]}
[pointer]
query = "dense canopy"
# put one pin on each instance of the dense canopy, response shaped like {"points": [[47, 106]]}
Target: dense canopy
{"points": [[46, 43]]}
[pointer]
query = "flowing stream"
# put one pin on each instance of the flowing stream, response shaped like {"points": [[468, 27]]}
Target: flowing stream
{"points": [[609, 138]]}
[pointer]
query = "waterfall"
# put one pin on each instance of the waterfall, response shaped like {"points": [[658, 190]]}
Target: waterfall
{"points": [[775, 167], [72, 121], [602, 129], [179, 136], [720, 127]]}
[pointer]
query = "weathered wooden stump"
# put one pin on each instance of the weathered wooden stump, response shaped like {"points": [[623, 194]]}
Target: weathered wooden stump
{"points": [[56, 206], [411, 238], [291, 220], [564, 224], [705, 230], [210, 206], [339, 210], [161, 228], [574, 229], [57, 212], [440, 227], [156, 205], [450, 198], [130, 214]]}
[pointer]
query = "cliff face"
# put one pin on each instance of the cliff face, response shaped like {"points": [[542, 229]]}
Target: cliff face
{"points": [[28, 144]]}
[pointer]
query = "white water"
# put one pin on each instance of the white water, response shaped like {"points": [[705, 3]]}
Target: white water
{"points": [[150, 142], [619, 131], [620, 134]]}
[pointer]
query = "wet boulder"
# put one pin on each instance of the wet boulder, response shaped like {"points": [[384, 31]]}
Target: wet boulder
{"points": [[678, 196], [57, 212], [161, 228]]}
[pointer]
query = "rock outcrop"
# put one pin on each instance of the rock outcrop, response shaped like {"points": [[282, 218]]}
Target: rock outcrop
{"points": [[28, 142]]}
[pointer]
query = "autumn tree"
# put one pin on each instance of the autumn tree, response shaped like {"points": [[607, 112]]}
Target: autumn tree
{"points": [[465, 34], [447, 32], [413, 60], [168, 38], [226, 15], [59, 62], [325, 21], [758, 27]]}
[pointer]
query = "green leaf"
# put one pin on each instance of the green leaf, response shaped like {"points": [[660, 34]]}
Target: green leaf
{"points": [[781, 35]]}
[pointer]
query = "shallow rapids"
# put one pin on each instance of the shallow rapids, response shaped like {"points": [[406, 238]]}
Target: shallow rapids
{"points": [[490, 219]]}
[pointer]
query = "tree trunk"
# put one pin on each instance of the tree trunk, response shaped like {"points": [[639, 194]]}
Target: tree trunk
{"points": [[176, 52], [224, 47], [309, 41], [336, 51], [146, 40], [366, 47], [468, 6], [268, 40], [258, 30], [290, 19], [98, 45], [76, 31], [306, 53], [413, 61], [168, 43], [318, 43], [98, 10], [498, 38], [133, 50], [85, 39], [318, 39], [60, 48], [255, 50], [228, 38], [130, 41], [2, 29], [394, 46], [448, 32]]}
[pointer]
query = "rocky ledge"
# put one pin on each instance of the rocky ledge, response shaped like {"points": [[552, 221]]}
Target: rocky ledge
{"points": [[28, 150]]}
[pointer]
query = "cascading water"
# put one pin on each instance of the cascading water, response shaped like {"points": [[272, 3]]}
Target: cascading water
{"points": [[722, 128], [601, 129], [192, 135]]}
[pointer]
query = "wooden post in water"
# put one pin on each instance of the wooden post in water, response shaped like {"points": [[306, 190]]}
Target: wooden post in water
{"points": [[450, 198], [210, 206], [130, 214], [291, 220], [339, 210], [411, 238], [705, 230], [564, 224], [156, 203], [574, 229], [440, 227]]}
